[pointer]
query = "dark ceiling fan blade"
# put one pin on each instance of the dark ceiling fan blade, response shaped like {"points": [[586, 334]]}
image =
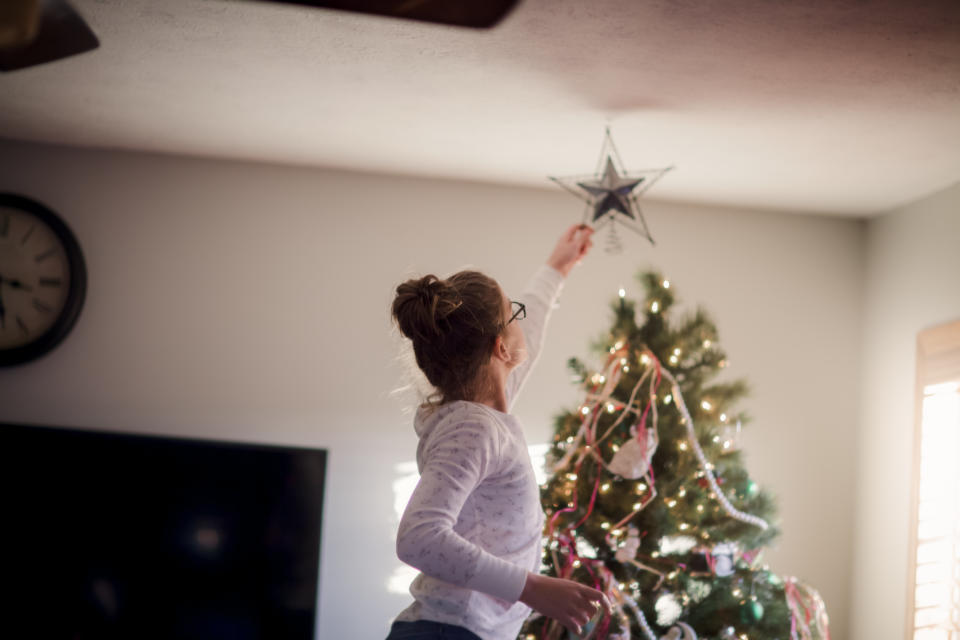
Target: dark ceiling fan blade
{"points": [[479, 14], [36, 31]]}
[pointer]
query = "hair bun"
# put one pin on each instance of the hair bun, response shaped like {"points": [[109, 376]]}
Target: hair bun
{"points": [[422, 304]]}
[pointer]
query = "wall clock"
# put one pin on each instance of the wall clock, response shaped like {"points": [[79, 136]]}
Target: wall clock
{"points": [[43, 279]]}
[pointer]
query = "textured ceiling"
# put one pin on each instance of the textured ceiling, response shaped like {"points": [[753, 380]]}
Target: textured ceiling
{"points": [[833, 106]]}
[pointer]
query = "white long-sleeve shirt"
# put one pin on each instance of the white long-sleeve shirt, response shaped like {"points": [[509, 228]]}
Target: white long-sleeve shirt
{"points": [[473, 525]]}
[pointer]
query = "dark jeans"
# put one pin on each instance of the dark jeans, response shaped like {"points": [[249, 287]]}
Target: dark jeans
{"points": [[427, 630]]}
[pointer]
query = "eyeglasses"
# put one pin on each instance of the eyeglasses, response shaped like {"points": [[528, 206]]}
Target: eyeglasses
{"points": [[519, 311]]}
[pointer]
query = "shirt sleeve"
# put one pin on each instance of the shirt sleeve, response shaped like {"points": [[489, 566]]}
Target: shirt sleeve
{"points": [[539, 297], [455, 461]]}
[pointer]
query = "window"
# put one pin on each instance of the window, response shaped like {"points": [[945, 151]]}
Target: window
{"points": [[934, 597]]}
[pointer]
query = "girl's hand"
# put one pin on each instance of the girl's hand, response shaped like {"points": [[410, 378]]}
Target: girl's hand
{"points": [[569, 603], [572, 246]]}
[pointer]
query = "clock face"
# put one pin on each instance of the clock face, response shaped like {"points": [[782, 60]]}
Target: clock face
{"points": [[42, 279]]}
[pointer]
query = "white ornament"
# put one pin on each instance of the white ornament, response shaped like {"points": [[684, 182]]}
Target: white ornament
{"points": [[682, 631], [676, 544], [632, 460], [723, 560], [628, 550], [668, 609]]}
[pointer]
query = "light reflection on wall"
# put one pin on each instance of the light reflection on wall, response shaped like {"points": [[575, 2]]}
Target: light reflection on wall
{"points": [[405, 481]]}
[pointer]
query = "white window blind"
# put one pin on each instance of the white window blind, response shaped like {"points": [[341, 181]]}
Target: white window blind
{"points": [[935, 561]]}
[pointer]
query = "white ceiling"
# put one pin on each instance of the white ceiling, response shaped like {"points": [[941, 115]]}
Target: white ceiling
{"points": [[844, 107]]}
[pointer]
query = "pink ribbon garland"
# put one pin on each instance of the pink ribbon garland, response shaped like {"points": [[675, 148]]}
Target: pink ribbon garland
{"points": [[806, 607]]}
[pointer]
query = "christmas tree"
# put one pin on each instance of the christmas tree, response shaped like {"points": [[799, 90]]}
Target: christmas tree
{"points": [[649, 499]]}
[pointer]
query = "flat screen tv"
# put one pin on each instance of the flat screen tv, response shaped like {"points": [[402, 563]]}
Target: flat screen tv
{"points": [[109, 535]]}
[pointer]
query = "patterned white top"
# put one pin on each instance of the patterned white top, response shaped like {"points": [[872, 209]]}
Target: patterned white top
{"points": [[474, 522]]}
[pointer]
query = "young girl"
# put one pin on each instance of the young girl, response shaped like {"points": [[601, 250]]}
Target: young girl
{"points": [[473, 525]]}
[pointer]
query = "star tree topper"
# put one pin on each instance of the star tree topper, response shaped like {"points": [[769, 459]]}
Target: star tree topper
{"points": [[610, 193]]}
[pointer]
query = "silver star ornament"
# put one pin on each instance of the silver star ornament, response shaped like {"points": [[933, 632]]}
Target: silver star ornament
{"points": [[612, 195]]}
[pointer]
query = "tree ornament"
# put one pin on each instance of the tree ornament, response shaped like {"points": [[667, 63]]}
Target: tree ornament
{"points": [[751, 611], [632, 459], [628, 550], [611, 195], [722, 559], [682, 631], [668, 609]]}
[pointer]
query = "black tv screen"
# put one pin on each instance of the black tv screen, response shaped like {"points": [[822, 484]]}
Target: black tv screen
{"points": [[109, 535]]}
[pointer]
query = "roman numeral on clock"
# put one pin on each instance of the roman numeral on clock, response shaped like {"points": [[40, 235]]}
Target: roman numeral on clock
{"points": [[43, 256], [51, 282]]}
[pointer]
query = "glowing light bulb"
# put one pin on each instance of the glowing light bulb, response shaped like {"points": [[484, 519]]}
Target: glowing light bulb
{"points": [[682, 446], [716, 438], [576, 563], [676, 351], [674, 360], [572, 477], [610, 408], [682, 492], [684, 526], [636, 506], [603, 379], [618, 345], [623, 361], [641, 487], [585, 410], [645, 359], [668, 400], [605, 487], [706, 405], [666, 284], [622, 293], [723, 417], [655, 306], [604, 525], [626, 369], [706, 344], [569, 439], [671, 503], [614, 448]]}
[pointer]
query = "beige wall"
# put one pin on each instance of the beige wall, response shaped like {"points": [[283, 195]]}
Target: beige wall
{"points": [[912, 284], [249, 302]]}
